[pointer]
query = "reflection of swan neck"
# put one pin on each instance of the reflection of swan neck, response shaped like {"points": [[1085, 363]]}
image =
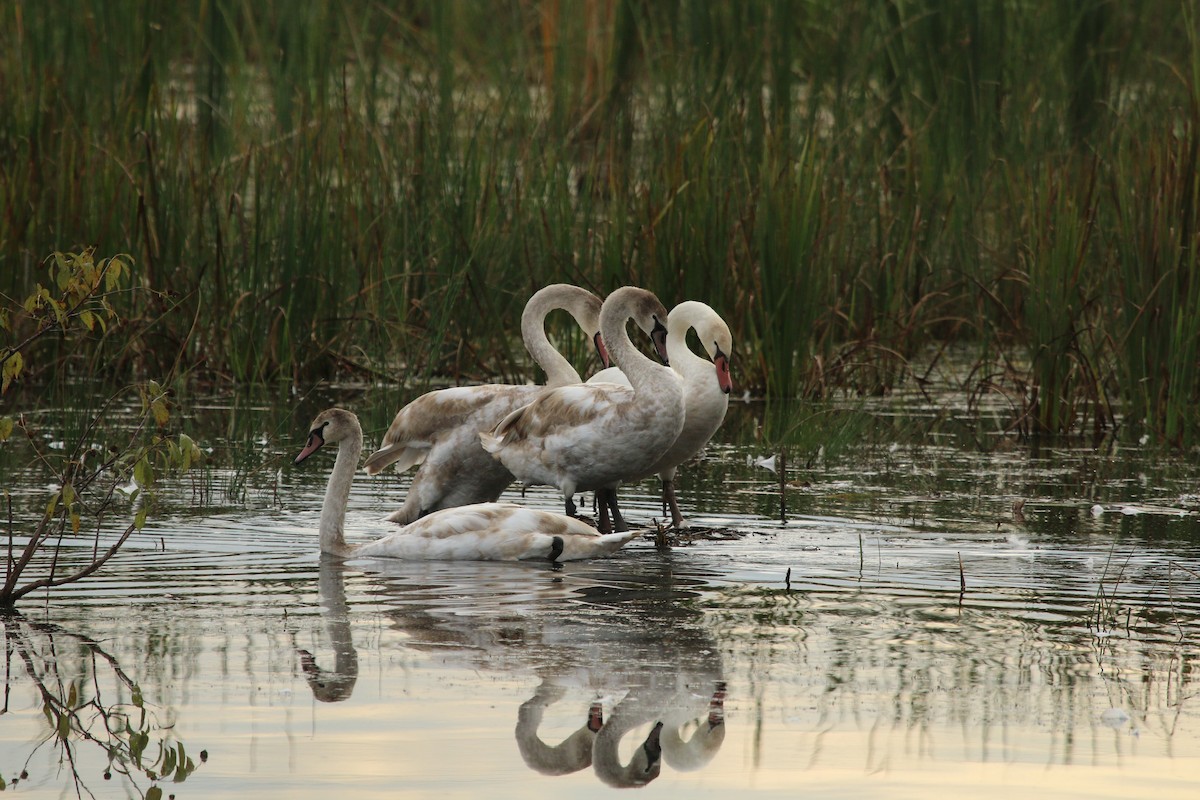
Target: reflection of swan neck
{"points": [[572, 754], [646, 762], [699, 749], [336, 685]]}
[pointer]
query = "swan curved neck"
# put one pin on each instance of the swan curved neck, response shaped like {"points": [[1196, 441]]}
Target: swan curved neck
{"points": [[638, 368], [559, 371], [337, 496]]}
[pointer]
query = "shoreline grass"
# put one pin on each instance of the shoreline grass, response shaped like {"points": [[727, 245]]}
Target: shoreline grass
{"points": [[375, 188]]}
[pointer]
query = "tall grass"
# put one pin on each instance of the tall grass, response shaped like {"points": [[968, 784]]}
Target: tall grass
{"points": [[374, 188]]}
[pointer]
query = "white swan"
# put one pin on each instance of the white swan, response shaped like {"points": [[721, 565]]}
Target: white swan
{"points": [[483, 531], [593, 436], [440, 430], [705, 395]]}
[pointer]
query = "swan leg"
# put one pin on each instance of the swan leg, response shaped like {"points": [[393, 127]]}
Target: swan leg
{"points": [[603, 523], [610, 500], [556, 548], [572, 511], [668, 488]]}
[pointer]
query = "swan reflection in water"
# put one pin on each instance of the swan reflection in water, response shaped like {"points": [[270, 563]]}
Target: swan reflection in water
{"points": [[652, 663]]}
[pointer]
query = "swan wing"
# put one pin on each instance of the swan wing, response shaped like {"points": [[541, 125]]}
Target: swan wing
{"points": [[435, 416]]}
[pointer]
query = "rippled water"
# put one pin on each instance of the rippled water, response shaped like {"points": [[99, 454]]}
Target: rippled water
{"points": [[895, 632]]}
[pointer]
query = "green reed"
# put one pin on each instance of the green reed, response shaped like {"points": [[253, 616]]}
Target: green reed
{"points": [[373, 189]]}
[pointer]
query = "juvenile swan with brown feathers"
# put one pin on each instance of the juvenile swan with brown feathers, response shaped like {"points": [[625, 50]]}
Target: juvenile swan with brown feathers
{"points": [[440, 430], [481, 532], [595, 436]]}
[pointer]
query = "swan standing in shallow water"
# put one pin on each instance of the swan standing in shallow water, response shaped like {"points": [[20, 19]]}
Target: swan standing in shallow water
{"points": [[483, 531], [440, 430], [705, 395], [593, 436]]}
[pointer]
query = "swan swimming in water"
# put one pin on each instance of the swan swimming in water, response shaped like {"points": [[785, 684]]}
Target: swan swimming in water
{"points": [[705, 395], [593, 436], [482, 531], [440, 429]]}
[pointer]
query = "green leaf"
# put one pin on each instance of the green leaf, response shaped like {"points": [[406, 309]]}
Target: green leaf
{"points": [[68, 494], [143, 473], [137, 696], [6, 428], [154, 793], [139, 521], [52, 506], [64, 725], [72, 696], [88, 319]]}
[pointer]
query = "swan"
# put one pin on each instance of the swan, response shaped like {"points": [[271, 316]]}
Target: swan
{"points": [[593, 436], [482, 531], [706, 398], [439, 430]]}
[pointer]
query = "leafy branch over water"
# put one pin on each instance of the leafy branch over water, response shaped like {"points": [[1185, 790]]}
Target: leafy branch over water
{"points": [[104, 466]]}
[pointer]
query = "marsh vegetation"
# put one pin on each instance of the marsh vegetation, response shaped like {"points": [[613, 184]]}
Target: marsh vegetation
{"points": [[374, 189]]}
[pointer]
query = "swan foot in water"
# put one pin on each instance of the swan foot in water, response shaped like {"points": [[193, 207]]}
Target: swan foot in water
{"points": [[671, 504]]}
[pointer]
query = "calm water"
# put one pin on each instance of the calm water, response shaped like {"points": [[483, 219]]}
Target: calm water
{"points": [[1066, 668]]}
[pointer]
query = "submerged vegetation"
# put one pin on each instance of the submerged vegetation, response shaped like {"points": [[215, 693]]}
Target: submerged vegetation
{"points": [[374, 188]]}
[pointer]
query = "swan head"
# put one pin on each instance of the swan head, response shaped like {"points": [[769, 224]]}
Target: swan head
{"points": [[330, 426], [713, 334], [647, 312]]}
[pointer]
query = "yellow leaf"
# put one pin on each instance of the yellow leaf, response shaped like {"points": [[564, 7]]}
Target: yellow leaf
{"points": [[6, 428], [89, 319], [159, 409], [12, 370]]}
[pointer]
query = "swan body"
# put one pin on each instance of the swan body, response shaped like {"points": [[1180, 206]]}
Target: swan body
{"points": [[705, 394], [593, 436], [440, 430], [481, 531]]}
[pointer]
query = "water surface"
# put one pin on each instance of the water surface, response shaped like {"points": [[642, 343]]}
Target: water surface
{"points": [[895, 631]]}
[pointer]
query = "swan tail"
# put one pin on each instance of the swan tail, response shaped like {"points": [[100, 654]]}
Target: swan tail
{"points": [[403, 515], [507, 430], [400, 454]]}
